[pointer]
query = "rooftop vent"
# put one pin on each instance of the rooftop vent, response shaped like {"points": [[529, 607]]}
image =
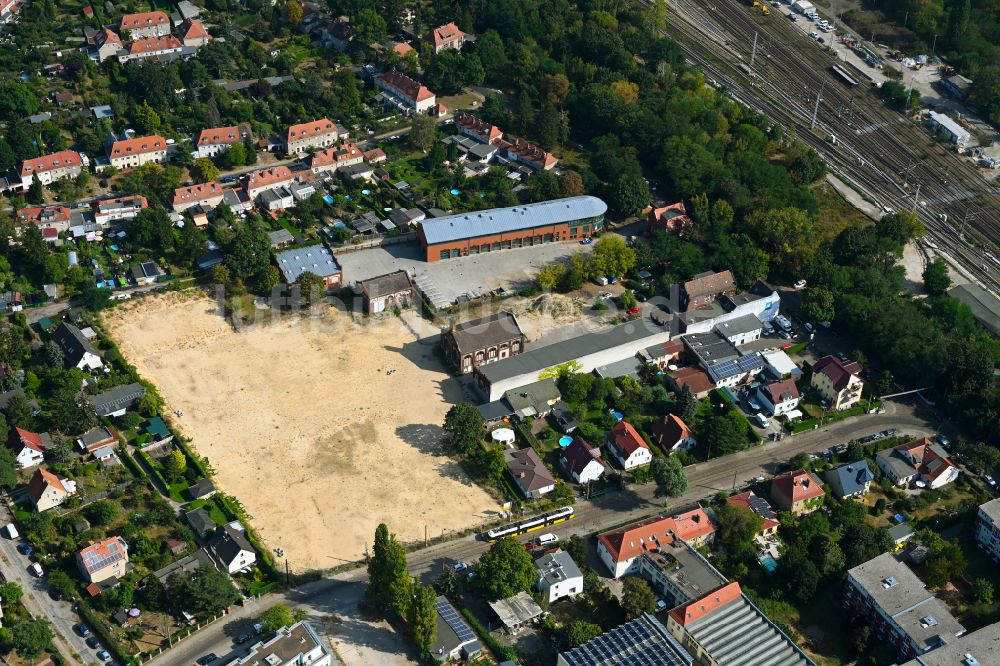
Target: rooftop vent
{"points": [[888, 582], [928, 621], [969, 660]]}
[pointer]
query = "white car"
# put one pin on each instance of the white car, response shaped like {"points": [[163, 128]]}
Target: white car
{"points": [[36, 569], [460, 566], [762, 420], [548, 539], [813, 34], [801, 284]]}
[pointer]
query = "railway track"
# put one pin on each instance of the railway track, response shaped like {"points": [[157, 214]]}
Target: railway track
{"points": [[881, 151]]}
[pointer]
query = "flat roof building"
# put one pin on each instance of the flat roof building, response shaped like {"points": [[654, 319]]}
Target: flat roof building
{"points": [[980, 648], [315, 259], [988, 528], [644, 640], [291, 646]]}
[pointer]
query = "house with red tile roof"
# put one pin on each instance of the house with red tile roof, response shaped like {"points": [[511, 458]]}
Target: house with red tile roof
{"points": [[193, 33], [206, 195], [797, 491], [402, 48], [476, 128], [780, 397], [671, 433], [214, 140], [46, 490], [130, 153], [257, 182], [672, 219], [107, 211], [150, 47], [703, 289], [404, 93], [107, 44], [447, 36], [50, 168], [9, 10], [146, 24], [627, 446], [321, 133], [335, 157], [838, 382], [621, 548], [581, 461], [696, 379], [55, 218], [103, 560], [760, 506], [28, 447], [526, 153], [919, 460], [375, 155]]}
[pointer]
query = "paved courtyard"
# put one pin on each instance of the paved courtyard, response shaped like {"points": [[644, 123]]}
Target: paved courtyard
{"points": [[446, 281]]}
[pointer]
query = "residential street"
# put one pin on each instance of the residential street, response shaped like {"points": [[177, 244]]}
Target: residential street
{"points": [[340, 595]]}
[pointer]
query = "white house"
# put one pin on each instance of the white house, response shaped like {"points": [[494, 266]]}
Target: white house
{"points": [[78, 351], [582, 462], [29, 447], [779, 397], [558, 576], [231, 550], [131, 153], [627, 446]]}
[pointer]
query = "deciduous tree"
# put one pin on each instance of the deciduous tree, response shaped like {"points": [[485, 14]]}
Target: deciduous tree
{"points": [[422, 617], [505, 569], [637, 597], [936, 278], [669, 475], [463, 427]]}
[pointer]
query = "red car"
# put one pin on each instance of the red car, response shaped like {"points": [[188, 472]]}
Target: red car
{"points": [[633, 311], [787, 345]]}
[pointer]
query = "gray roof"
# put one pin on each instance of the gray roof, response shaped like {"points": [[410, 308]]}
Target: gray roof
{"points": [[120, 397], [641, 642], [761, 641], [982, 645], [984, 305], [683, 566], [287, 646], [481, 333], [900, 465], [493, 411], [187, 565], [711, 347], [452, 631], [535, 396], [529, 470], [557, 567], [228, 544], [992, 510], [280, 237], [200, 522], [200, 488], [314, 259], [516, 218], [516, 610], [850, 478], [900, 533], [897, 591], [383, 285], [568, 350], [739, 325], [277, 194], [95, 435], [73, 343]]}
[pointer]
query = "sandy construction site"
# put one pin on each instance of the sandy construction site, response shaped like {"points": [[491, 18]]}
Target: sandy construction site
{"points": [[306, 423]]}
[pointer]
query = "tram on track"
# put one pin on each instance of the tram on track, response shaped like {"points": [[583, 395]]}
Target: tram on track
{"points": [[531, 524]]}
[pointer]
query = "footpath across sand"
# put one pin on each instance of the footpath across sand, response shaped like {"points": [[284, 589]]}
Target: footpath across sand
{"points": [[322, 426]]}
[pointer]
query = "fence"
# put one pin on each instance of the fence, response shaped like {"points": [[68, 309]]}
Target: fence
{"points": [[177, 637]]}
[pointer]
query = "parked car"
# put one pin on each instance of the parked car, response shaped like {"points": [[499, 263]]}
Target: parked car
{"points": [[25, 548], [104, 655], [762, 420], [460, 566], [93, 642], [81, 629], [661, 605], [36, 569], [989, 480], [207, 659], [11, 531], [587, 241], [548, 539]]}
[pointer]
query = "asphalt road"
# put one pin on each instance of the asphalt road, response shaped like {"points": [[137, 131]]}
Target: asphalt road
{"points": [[340, 594]]}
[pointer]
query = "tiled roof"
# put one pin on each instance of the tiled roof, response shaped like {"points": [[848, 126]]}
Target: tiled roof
{"points": [[30, 440], [529, 470], [579, 454], [101, 554], [266, 177], [695, 610], [199, 192], [151, 44], [481, 129], [445, 34], [105, 36], [192, 29], [60, 160], [405, 86], [110, 205], [384, 285], [670, 429], [308, 130], [632, 540], [529, 152], [335, 155], [44, 215], [138, 146], [212, 136], [625, 438], [144, 20], [782, 391], [41, 480], [485, 332], [839, 373], [758, 505], [711, 284], [798, 485]]}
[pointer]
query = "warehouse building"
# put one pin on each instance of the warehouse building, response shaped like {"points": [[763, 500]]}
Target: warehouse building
{"points": [[496, 229], [945, 125]]}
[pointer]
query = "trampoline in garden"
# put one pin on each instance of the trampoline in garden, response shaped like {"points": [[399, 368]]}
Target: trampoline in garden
{"points": [[565, 441], [327, 198]]}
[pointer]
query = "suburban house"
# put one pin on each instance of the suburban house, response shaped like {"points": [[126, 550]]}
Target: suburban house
{"points": [[49, 218], [797, 491], [207, 195], [290, 646], [193, 33], [558, 576], [96, 439], [50, 168], [534, 399], [146, 24], [335, 157], [201, 523], [900, 534], [130, 153], [839, 383], [920, 460], [481, 341], [257, 182], [28, 447], [214, 140], [671, 433], [522, 151], [47, 491], [102, 560], [106, 44], [315, 259], [695, 379], [582, 462], [627, 446], [447, 36], [703, 289], [621, 548], [201, 489], [118, 209], [988, 528], [78, 351], [116, 401], [454, 639], [321, 133], [769, 519], [402, 92], [150, 47], [898, 608], [663, 354], [475, 128], [850, 480], [386, 292], [231, 550], [672, 219], [529, 473], [644, 640], [780, 397]]}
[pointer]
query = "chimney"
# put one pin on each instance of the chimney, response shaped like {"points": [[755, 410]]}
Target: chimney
{"points": [[454, 325]]}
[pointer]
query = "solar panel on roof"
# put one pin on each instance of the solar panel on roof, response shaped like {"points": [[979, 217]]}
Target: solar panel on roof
{"points": [[454, 620]]}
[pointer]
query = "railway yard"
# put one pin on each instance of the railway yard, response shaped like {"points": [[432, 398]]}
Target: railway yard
{"points": [[766, 62]]}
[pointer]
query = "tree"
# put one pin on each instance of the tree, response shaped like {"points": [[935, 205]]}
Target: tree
{"points": [[205, 591], [738, 525], [422, 617], [249, 252], [268, 279], [686, 405], [612, 256], [936, 278], [220, 275], [151, 403], [312, 287], [863, 542], [276, 617], [817, 304], [945, 560], [101, 512], [423, 132], [637, 597], [721, 435], [174, 465], [8, 468], [577, 633], [629, 194], [31, 637], [982, 591], [389, 586], [788, 236], [204, 170], [463, 427], [799, 461], [669, 475], [571, 184], [549, 276], [505, 569], [35, 193], [577, 549]]}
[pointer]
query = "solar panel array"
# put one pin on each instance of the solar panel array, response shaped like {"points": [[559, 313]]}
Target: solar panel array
{"points": [[96, 560], [737, 366], [632, 644], [761, 507], [454, 620]]}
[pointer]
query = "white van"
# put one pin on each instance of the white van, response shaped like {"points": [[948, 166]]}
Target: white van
{"points": [[10, 531], [762, 420], [36, 569], [548, 539]]}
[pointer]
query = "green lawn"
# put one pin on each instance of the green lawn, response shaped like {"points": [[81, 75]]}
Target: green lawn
{"points": [[213, 510]]}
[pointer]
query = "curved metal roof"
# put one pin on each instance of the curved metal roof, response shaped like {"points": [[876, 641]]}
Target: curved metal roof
{"points": [[516, 218]]}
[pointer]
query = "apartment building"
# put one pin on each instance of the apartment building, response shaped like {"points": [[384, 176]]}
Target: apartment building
{"points": [[838, 382], [257, 182], [146, 24], [207, 195], [291, 646], [131, 153], [51, 168], [336, 157], [214, 140], [620, 549], [988, 528], [150, 47], [321, 133], [404, 93], [107, 211]]}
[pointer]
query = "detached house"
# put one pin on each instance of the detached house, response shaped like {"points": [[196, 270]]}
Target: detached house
{"points": [[321, 133], [28, 447], [103, 560], [703, 289], [48, 491], [131, 153], [671, 433], [107, 211], [581, 461], [627, 446], [51, 218], [146, 24], [781, 397], [798, 491], [769, 519], [107, 44], [447, 36], [672, 219], [231, 550], [207, 195], [529, 473], [838, 382], [50, 168], [621, 548], [404, 93], [193, 33], [851, 480], [214, 140], [920, 460], [78, 351]]}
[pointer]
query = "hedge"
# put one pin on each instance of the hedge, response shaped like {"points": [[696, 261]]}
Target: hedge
{"points": [[264, 560], [193, 460], [504, 652], [130, 464], [156, 472], [111, 644]]}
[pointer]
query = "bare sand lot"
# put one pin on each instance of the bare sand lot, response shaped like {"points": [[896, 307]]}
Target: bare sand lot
{"points": [[304, 422]]}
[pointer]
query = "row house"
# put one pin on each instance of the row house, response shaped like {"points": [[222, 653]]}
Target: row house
{"points": [[214, 140], [447, 36], [336, 157], [117, 209], [54, 218], [206, 195], [407, 94], [257, 182], [107, 44], [50, 168], [321, 133], [131, 153], [144, 25], [476, 128], [528, 154], [150, 47]]}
